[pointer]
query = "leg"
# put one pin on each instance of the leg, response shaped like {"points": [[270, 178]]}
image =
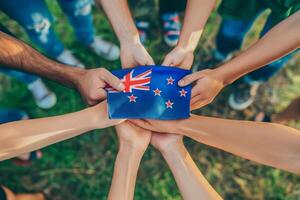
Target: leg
{"points": [[192, 184], [80, 16], [43, 97], [133, 141], [35, 18], [231, 35]]}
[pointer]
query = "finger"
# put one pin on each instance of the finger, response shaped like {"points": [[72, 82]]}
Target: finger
{"points": [[197, 98], [150, 61], [140, 123], [167, 61], [111, 80], [188, 79], [199, 104]]}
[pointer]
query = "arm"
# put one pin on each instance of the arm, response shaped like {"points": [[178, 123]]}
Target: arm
{"points": [[90, 83], [132, 51], [133, 142], [278, 42], [196, 15], [267, 143], [192, 184], [24, 136]]}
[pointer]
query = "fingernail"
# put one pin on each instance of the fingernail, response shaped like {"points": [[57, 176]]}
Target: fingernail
{"points": [[121, 86], [181, 83]]}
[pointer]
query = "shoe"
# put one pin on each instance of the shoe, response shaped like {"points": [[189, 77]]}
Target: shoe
{"points": [[68, 58], [143, 27], [43, 97], [243, 96], [171, 28], [105, 49]]}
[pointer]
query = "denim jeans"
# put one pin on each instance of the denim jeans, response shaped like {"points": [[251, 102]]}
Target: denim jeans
{"points": [[230, 38], [35, 17], [10, 115]]}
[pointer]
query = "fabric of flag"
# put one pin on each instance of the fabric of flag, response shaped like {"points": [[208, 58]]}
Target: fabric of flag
{"points": [[151, 92]]}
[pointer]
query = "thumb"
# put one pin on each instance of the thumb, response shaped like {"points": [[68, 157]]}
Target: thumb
{"points": [[111, 80]]}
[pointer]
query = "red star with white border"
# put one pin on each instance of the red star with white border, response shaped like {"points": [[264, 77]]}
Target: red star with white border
{"points": [[169, 104], [157, 92], [170, 80], [132, 98], [183, 93]]}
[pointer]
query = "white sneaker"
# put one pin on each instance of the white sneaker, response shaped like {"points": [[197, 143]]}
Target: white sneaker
{"points": [[43, 97], [105, 49], [68, 58]]}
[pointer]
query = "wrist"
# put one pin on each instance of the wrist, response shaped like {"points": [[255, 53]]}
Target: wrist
{"points": [[132, 39], [76, 75], [131, 149], [173, 152]]}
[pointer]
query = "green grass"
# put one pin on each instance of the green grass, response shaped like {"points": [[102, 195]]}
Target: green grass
{"points": [[81, 168]]}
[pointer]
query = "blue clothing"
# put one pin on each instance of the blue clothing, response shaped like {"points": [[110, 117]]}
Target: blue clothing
{"points": [[10, 115], [35, 17], [230, 38]]}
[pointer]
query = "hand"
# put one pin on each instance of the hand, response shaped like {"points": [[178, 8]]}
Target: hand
{"points": [[92, 82], [165, 141], [161, 126], [133, 54], [133, 136], [99, 116], [208, 85], [179, 57]]}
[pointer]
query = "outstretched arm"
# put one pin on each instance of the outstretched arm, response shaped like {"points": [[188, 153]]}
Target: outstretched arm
{"points": [[266, 143], [133, 142], [24, 136], [192, 184], [133, 52], [278, 42], [196, 15], [90, 83]]}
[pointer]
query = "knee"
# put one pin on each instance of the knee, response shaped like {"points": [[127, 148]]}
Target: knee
{"points": [[83, 7], [40, 26]]}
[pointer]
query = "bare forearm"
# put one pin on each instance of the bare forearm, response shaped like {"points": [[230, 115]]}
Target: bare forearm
{"points": [[278, 42], [192, 184], [20, 56], [196, 15], [27, 135], [125, 173], [267, 143], [121, 19]]}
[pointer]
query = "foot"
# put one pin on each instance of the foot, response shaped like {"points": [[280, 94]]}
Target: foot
{"points": [[105, 49], [171, 28], [243, 96], [143, 27], [43, 97], [68, 58]]}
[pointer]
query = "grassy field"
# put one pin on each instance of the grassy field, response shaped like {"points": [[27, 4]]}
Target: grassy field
{"points": [[81, 168]]}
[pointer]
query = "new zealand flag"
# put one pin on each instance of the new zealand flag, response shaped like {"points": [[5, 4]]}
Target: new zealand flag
{"points": [[151, 92]]}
